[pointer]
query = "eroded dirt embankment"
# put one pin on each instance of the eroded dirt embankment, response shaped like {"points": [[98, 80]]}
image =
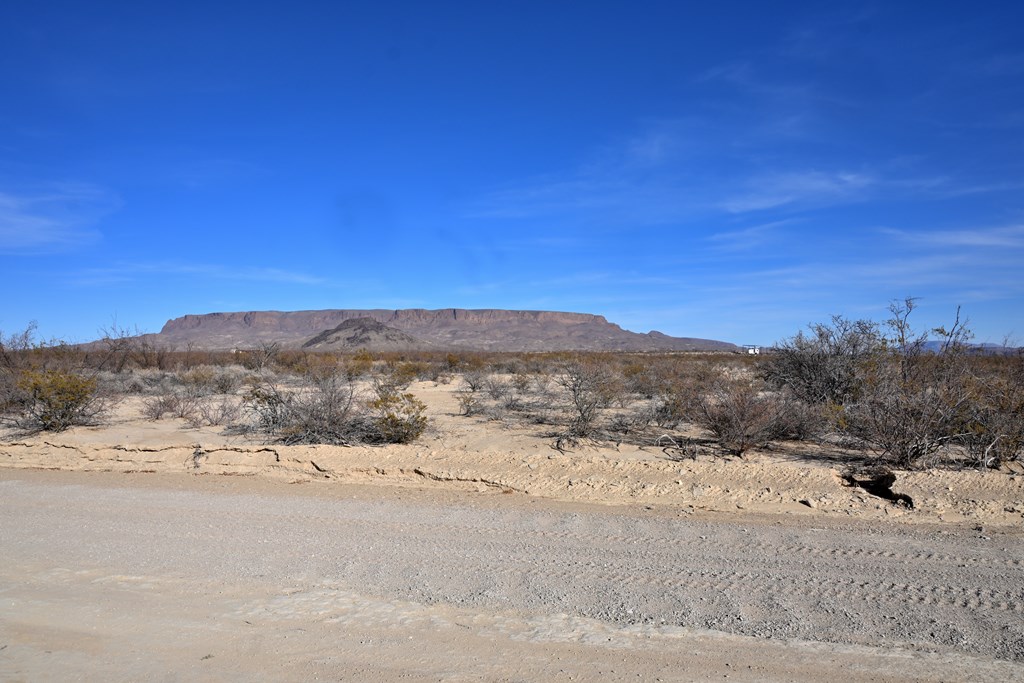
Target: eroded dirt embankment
{"points": [[764, 483]]}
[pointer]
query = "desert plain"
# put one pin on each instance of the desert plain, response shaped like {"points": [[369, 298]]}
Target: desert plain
{"points": [[161, 550]]}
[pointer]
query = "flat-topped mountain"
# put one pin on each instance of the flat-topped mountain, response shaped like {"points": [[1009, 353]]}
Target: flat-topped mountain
{"points": [[448, 328]]}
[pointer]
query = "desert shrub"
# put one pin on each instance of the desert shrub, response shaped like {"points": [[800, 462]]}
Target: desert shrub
{"points": [[155, 382], [215, 412], [738, 413], [268, 406], [525, 395], [542, 398], [469, 394], [913, 399], [499, 389], [156, 407], [359, 365], [132, 384], [201, 377], [401, 375], [16, 350], [399, 418], [208, 379], [260, 358], [322, 411], [824, 366], [506, 393], [474, 381], [669, 411], [326, 409], [624, 424], [913, 402], [994, 430], [182, 403], [227, 380], [395, 377], [588, 387], [56, 400], [469, 403], [151, 355], [304, 363], [509, 365], [673, 390], [119, 347], [641, 378], [797, 420], [519, 386]]}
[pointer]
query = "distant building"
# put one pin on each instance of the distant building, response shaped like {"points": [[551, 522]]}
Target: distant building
{"points": [[752, 349]]}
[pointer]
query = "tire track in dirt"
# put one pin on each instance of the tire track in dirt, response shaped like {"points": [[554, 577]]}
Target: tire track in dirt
{"points": [[492, 560], [954, 592]]}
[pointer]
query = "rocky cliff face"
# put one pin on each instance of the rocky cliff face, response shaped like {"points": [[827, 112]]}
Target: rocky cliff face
{"points": [[407, 317], [481, 329]]}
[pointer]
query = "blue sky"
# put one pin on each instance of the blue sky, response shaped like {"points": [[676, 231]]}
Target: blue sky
{"points": [[731, 170]]}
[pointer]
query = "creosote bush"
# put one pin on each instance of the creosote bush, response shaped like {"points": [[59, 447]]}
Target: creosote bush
{"points": [[399, 418], [56, 400]]}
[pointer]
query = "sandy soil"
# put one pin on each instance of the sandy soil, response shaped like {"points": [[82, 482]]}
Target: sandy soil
{"points": [[481, 553], [474, 454]]}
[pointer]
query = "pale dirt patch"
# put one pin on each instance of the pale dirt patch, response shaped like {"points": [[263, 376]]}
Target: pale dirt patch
{"points": [[113, 577]]}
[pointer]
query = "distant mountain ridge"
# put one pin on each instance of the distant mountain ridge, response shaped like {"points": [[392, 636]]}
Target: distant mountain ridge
{"points": [[448, 328]]}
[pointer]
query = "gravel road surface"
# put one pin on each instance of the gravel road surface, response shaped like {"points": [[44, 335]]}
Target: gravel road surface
{"points": [[160, 577]]}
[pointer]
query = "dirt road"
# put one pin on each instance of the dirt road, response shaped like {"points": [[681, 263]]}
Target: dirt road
{"points": [[162, 577]]}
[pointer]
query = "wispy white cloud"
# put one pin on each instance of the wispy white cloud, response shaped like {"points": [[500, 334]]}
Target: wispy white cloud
{"points": [[965, 190], [129, 272], [586, 281], [53, 217], [749, 237], [641, 178], [769, 191], [949, 275], [744, 76], [1005, 237], [626, 199]]}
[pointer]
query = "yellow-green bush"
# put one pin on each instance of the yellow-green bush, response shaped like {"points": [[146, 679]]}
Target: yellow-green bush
{"points": [[399, 417], [57, 399]]}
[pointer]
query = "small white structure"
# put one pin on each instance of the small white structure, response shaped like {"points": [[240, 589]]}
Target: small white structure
{"points": [[752, 349]]}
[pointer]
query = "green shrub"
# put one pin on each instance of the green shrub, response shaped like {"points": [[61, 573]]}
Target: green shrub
{"points": [[399, 417], [57, 400]]}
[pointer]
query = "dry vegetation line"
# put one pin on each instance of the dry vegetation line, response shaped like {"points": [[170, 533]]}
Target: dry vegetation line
{"points": [[916, 588]]}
